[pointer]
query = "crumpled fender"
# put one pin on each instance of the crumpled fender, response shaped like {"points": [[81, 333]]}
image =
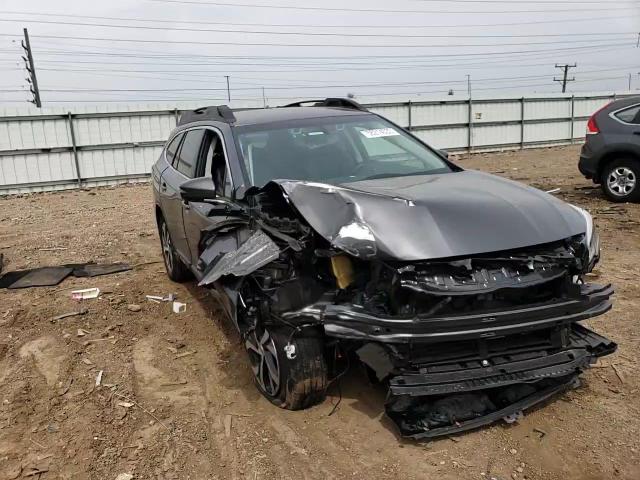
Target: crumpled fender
{"points": [[255, 253]]}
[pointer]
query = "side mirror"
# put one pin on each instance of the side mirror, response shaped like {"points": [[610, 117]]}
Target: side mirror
{"points": [[444, 153], [198, 190]]}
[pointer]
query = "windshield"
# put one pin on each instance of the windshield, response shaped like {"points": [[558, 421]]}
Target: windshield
{"points": [[333, 150]]}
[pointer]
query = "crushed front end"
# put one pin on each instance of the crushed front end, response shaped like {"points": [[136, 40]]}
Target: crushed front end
{"points": [[464, 342], [460, 342]]}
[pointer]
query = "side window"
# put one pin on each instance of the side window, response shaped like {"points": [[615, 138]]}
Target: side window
{"points": [[172, 148], [188, 155], [215, 164], [630, 115]]}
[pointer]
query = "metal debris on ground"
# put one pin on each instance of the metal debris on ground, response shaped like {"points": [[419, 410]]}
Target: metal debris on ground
{"points": [[185, 354], [157, 299], [82, 311], [99, 378], [228, 419], [179, 307], [85, 294], [541, 432]]}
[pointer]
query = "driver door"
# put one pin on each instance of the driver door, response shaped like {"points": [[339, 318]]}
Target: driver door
{"points": [[199, 216]]}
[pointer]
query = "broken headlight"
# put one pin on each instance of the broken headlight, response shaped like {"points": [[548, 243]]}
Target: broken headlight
{"points": [[357, 239], [591, 239]]}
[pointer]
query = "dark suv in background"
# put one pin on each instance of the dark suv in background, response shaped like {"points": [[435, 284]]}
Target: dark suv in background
{"points": [[611, 153]]}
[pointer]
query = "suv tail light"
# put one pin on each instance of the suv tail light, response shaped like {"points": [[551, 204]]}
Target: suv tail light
{"points": [[592, 126]]}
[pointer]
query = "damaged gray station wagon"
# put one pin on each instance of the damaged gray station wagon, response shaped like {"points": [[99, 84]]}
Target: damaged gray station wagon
{"points": [[333, 237]]}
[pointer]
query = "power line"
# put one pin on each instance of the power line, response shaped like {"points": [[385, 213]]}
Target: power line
{"points": [[375, 10], [306, 25], [289, 58], [299, 87], [321, 34], [341, 45], [195, 42], [360, 67]]}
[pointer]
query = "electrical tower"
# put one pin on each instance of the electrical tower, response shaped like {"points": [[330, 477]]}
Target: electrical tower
{"points": [[564, 78], [31, 70]]}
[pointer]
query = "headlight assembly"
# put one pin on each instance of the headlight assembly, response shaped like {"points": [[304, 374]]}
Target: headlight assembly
{"points": [[591, 239]]}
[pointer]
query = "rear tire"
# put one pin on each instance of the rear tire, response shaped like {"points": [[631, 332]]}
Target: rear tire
{"points": [[290, 383], [176, 269], [620, 180]]}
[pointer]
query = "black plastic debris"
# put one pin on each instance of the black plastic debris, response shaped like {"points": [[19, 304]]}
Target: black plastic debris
{"points": [[42, 277], [51, 276], [256, 252], [96, 269], [430, 417]]}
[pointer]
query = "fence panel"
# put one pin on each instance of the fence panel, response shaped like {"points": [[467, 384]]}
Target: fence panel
{"points": [[39, 149]]}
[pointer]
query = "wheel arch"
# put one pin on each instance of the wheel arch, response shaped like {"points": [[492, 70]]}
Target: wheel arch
{"points": [[612, 155]]}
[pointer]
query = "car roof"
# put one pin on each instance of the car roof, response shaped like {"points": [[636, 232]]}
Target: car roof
{"points": [[270, 115], [621, 103]]}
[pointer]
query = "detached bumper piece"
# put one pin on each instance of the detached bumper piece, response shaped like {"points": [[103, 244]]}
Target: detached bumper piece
{"points": [[454, 396]]}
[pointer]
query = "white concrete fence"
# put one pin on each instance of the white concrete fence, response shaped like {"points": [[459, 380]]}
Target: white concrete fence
{"points": [[56, 149]]}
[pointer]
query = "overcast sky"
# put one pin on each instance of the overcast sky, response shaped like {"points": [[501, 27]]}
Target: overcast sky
{"points": [[374, 49]]}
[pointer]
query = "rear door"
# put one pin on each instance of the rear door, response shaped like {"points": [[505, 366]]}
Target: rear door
{"points": [[626, 126], [182, 169]]}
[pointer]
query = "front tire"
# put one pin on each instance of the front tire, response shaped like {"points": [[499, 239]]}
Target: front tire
{"points": [[621, 180], [290, 383], [176, 269]]}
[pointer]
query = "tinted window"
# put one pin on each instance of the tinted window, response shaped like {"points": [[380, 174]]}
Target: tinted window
{"points": [[188, 154], [334, 151], [172, 148], [630, 115]]}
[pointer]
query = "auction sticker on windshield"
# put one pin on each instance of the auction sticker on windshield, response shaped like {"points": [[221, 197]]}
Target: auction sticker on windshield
{"points": [[379, 132]]}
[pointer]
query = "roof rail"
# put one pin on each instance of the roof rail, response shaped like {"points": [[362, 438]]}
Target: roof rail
{"points": [[331, 102], [220, 113]]}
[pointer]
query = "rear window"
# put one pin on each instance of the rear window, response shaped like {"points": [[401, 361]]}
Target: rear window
{"points": [[188, 155], [172, 148], [629, 115]]}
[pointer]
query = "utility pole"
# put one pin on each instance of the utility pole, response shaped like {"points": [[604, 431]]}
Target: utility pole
{"points": [[264, 99], [31, 70], [629, 82], [228, 89], [564, 78], [469, 85]]}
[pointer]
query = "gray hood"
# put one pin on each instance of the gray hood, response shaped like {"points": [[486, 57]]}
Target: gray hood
{"points": [[433, 216]]}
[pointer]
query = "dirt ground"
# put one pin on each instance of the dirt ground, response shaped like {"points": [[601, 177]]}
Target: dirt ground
{"points": [[177, 399]]}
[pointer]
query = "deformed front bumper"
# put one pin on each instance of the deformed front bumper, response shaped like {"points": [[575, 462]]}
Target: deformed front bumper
{"points": [[453, 397], [351, 322]]}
